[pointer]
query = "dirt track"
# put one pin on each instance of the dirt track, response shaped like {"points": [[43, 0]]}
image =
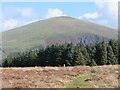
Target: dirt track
{"points": [[57, 77]]}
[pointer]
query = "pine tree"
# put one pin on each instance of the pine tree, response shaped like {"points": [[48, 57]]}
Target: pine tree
{"points": [[103, 54], [91, 50], [114, 45], [78, 57], [110, 56], [92, 63], [69, 55], [8, 62], [40, 60]]}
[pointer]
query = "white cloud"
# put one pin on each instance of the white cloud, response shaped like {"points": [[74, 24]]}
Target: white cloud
{"points": [[93, 15], [54, 13], [9, 24], [26, 12], [18, 16], [110, 8]]}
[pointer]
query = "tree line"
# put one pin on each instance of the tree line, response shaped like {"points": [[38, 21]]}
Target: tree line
{"points": [[68, 54]]}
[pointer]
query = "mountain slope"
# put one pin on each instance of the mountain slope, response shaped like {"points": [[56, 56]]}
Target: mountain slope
{"points": [[55, 30]]}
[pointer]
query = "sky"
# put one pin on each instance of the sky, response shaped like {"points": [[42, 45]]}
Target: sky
{"points": [[15, 14]]}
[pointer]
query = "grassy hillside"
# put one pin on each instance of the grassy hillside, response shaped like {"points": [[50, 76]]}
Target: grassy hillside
{"points": [[52, 30]]}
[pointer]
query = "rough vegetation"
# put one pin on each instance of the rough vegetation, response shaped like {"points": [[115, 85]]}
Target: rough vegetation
{"points": [[61, 77]]}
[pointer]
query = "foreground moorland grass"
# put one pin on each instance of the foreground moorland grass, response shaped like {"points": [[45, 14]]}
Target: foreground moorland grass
{"points": [[61, 77]]}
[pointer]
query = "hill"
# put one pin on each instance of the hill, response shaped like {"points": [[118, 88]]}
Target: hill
{"points": [[54, 30]]}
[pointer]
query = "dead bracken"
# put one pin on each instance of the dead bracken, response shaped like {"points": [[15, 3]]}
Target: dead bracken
{"points": [[57, 77]]}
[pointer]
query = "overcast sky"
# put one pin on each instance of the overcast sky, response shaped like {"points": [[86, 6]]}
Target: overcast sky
{"points": [[15, 14]]}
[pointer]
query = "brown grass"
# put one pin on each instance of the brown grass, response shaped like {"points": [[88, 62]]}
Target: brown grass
{"points": [[58, 77]]}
